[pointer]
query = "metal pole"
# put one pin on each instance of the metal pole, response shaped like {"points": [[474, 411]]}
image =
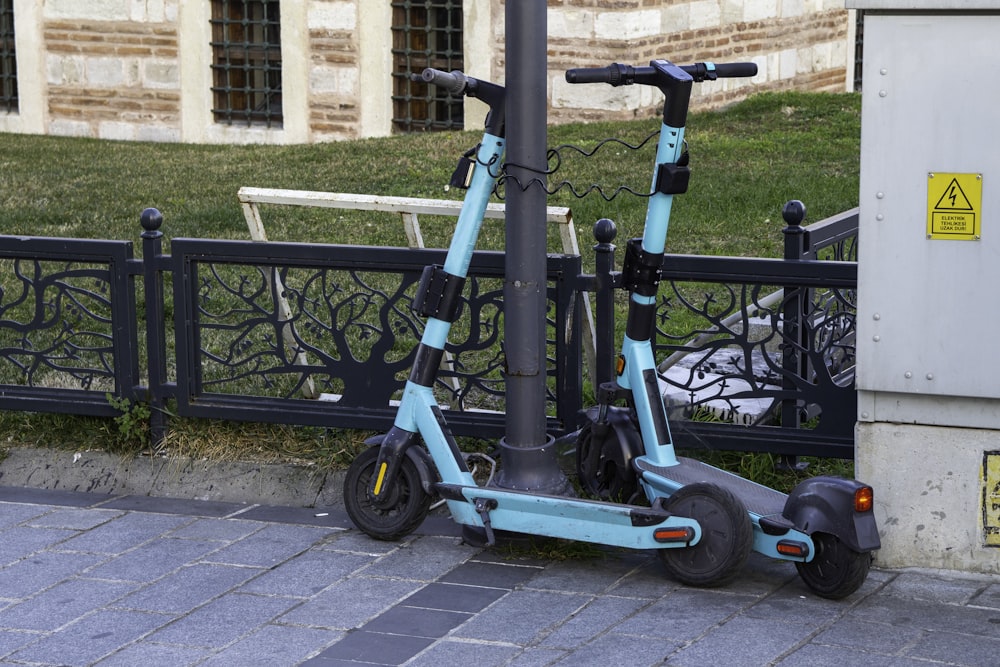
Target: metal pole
{"points": [[527, 452], [152, 249], [794, 327]]}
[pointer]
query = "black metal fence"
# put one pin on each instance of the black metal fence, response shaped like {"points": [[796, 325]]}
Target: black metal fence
{"points": [[68, 325], [324, 335], [768, 363]]}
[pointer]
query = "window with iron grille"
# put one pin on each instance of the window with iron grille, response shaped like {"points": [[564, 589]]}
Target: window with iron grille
{"points": [[8, 58], [246, 62], [425, 33], [859, 49]]}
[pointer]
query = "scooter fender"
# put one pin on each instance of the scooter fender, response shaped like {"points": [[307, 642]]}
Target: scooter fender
{"points": [[619, 437], [825, 504], [421, 460]]}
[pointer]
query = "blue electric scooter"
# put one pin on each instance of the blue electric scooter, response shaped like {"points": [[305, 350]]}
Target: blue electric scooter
{"points": [[702, 521]]}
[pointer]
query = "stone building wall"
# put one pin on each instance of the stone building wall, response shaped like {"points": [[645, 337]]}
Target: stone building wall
{"points": [[140, 69], [334, 66], [799, 44], [116, 81]]}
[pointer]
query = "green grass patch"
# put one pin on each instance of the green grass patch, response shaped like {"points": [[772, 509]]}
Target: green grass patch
{"points": [[746, 161]]}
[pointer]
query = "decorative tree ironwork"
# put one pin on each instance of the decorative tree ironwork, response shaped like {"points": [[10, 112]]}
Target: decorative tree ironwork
{"points": [[271, 330], [734, 354], [56, 328]]}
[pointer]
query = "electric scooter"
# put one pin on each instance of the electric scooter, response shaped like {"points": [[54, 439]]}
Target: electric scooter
{"points": [[702, 521]]}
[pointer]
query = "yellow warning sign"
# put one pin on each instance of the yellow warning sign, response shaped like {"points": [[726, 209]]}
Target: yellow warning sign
{"points": [[991, 499], [954, 206]]}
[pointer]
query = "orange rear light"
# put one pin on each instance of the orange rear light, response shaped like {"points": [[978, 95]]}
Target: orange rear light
{"points": [[790, 548], [864, 499], [620, 365], [682, 534]]}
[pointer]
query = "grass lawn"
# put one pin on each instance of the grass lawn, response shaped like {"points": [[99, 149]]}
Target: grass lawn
{"points": [[746, 161]]}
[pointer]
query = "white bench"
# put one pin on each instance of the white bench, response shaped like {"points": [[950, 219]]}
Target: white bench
{"points": [[409, 209]]}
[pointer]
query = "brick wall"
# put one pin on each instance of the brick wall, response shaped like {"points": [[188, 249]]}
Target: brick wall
{"points": [[334, 65], [139, 69], [113, 80], [795, 43], [112, 69]]}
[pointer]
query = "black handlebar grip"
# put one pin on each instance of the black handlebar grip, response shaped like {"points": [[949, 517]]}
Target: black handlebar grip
{"points": [[454, 81], [587, 75], [728, 70], [614, 74]]}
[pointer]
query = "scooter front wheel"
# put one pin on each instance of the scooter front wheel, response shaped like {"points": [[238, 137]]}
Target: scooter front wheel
{"points": [[601, 473], [836, 570], [726, 536], [403, 510]]}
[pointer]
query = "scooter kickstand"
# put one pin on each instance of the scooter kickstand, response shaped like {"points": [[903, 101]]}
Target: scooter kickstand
{"points": [[483, 506]]}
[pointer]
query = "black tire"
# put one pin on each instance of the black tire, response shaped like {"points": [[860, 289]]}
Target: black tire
{"points": [[405, 508], [726, 536], [601, 477], [836, 570]]}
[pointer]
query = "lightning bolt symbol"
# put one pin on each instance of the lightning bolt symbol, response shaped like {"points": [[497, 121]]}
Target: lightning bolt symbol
{"points": [[952, 196]]}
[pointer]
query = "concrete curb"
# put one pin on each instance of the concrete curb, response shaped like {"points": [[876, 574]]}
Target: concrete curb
{"points": [[237, 482]]}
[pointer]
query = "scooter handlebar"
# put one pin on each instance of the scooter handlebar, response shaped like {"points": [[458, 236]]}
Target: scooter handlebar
{"points": [[615, 74], [735, 70], [455, 82], [623, 75]]}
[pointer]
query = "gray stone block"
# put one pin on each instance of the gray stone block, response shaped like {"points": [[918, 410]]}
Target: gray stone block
{"points": [[15, 513], [494, 575], [455, 597], [416, 622], [29, 576], [612, 649], [105, 631], [523, 617], [152, 560], [585, 576], [18, 540], [938, 588], [425, 559], [744, 641], [273, 645], [928, 615], [187, 588], [11, 641], [124, 533], [377, 648], [271, 545], [73, 518], [350, 603], [306, 575], [956, 649], [812, 655], [154, 654], [447, 652], [684, 614], [595, 619], [62, 604], [220, 530], [868, 636], [223, 621]]}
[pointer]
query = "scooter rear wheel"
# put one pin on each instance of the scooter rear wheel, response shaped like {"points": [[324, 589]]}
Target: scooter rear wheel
{"points": [[404, 509], [726, 536], [836, 570]]}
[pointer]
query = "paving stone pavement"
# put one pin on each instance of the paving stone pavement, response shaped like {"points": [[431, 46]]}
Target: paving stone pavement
{"points": [[96, 579]]}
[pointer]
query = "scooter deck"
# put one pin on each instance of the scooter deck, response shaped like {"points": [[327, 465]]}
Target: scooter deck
{"points": [[596, 521], [758, 499]]}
